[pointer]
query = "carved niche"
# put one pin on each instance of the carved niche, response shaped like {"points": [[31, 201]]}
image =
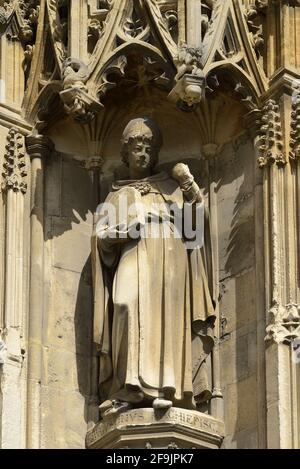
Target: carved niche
{"points": [[136, 44]]}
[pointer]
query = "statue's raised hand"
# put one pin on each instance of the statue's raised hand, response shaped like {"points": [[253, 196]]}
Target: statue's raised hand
{"points": [[181, 173]]}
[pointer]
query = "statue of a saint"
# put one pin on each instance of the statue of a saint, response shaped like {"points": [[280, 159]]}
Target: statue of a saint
{"points": [[153, 295]]}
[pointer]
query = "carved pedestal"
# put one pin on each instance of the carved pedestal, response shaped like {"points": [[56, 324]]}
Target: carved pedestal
{"points": [[146, 428]]}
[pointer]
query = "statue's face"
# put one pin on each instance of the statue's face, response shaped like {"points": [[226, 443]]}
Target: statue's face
{"points": [[139, 155]]}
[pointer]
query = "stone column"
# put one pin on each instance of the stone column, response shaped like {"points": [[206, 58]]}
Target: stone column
{"points": [[38, 148], [181, 21], [14, 187], [193, 23], [94, 165], [78, 17], [252, 123], [210, 151], [281, 247], [278, 158]]}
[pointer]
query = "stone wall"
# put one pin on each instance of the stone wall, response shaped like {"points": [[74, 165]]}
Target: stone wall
{"points": [[239, 350], [67, 321]]}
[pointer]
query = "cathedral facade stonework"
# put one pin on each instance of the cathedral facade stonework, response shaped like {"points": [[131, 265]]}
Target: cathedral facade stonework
{"points": [[110, 337]]}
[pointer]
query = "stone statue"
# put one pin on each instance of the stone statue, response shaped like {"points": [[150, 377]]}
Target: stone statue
{"points": [[153, 296]]}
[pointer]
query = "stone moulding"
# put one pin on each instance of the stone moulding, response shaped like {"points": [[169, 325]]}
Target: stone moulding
{"points": [[80, 105], [145, 428], [188, 92]]}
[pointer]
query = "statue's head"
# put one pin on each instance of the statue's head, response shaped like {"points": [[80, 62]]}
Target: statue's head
{"points": [[141, 142]]}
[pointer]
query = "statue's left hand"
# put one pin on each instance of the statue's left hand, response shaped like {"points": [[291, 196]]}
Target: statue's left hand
{"points": [[181, 173]]}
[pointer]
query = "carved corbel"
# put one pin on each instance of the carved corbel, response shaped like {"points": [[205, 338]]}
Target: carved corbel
{"points": [[78, 102], [284, 325], [190, 79], [94, 163]]}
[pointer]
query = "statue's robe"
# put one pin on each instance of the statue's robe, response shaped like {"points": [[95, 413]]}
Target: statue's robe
{"points": [[153, 302]]}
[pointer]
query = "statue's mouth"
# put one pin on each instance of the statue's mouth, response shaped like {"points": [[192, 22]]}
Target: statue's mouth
{"points": [[143, 162]]}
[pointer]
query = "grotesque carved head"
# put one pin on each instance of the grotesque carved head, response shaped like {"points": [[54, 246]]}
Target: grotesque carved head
{"points": [[142, 131]]}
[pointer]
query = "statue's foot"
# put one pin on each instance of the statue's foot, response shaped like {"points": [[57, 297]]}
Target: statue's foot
{"points": [[111, 407], [130, 394], [105, 406], [119, 406], [135, 397], [160, 403]]}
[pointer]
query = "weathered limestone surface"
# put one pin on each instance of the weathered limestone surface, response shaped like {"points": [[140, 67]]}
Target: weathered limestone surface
{"points": [[67, 349], [238, 349], [221, 79]]}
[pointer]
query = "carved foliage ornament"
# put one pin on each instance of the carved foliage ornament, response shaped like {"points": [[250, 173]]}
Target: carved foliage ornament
{"points": [[14, 166], [295, 127], [188, 61], [271, 140], [284, 326]]}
